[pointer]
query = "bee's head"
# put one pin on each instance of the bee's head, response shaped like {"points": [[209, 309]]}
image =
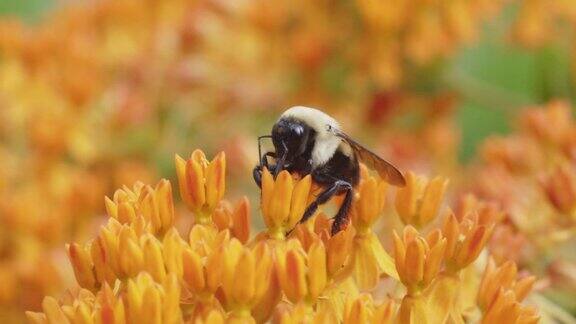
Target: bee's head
{"points": [[290, 136]]}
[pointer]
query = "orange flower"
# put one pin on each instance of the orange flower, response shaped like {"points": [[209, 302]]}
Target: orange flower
{"points": [[339, 247], [419, 201], [560, 188], [551, 125], [284, 201], [246, 279], [369, 203], [153, 204], [148, 300], [369, 259], [237, 221], [302, 274], [82, 265], [338, 253], [498, 282], [141, 300], [534, 25], [505, 309], [202, 183], [418, 259], [202, 275], [466, 239], [507, 243], [198, 265], [119, 252], [364, 310]]}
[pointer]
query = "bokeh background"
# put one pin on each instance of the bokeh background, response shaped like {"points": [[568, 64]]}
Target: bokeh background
{"points": [[99, 94]]}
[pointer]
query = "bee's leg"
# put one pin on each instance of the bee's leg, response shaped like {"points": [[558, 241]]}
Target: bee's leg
{"points": [[257, 175], [257, 171], [337, 187], [341, 217], [280, 162]]}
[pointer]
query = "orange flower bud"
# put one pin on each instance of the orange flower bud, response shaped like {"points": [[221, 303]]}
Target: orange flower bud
{"points": [[237, 220], [369, 203], [338, 252], [466, 239], [82, 264], [499, 279], [202, 183], [153, 259], [418, 260], [193, 271], [246, 277], [284, 201], [505, 309], [154, 205], [358, 312], [363, 310], [550, 125], [560, 188], [419, 201], [385, 312], [142, 300], [173, 246], [146, 299], [302, 275], [54, 313]]}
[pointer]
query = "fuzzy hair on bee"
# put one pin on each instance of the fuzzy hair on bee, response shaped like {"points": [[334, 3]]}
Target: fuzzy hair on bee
{"points": [[309, 141]]}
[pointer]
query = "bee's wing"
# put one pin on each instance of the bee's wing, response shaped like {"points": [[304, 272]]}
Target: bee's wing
{"points": [[386, 170]]}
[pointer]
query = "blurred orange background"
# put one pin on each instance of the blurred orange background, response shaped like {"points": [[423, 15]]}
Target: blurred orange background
{"points": [[95, 95]]}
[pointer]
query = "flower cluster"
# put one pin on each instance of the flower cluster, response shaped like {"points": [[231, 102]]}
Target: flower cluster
{"points": [[140, 268], [531, 175], [93, 94], [100, 93], [539, 22]]}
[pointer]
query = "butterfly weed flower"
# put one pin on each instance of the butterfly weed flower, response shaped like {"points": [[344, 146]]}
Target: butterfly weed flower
{"points": [[143, 300], [302, 274], [419, 201], [531, 179], [465, 239], [153, 204], [118, 252], [369, 258], [502, 278], [506, 309], [126, 48], [283, 202], [236, 219], [363, 309], [136, 271], [199, 274], [418, 259], [246, 279], [501, 293], [550, 126], [202, 183], [560, 189]]}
